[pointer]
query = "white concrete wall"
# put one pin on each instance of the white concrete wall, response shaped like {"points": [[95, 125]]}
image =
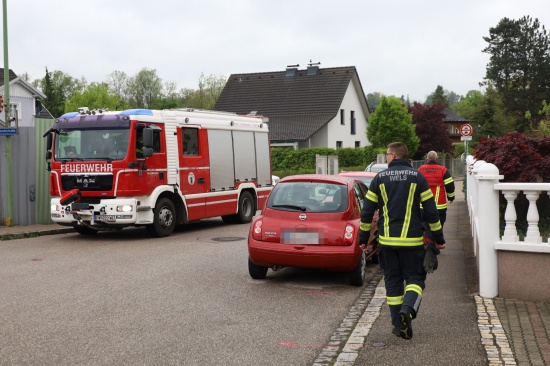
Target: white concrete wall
{"points": [[338, 132]]}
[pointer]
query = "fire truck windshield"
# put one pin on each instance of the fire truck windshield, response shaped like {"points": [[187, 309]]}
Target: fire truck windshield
{"points": [[94, 144]]}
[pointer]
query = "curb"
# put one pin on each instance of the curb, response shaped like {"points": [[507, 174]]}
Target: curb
{"points": [[35, 233]]}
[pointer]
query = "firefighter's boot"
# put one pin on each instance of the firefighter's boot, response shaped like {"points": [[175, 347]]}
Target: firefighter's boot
{"points": [[395, 319], [406, 317]]}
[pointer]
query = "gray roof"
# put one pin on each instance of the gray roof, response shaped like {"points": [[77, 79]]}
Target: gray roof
{"points": [[42, 111], [451, 116], [297, 105], [12, 76]]}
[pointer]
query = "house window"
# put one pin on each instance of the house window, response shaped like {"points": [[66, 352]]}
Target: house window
{"points": [[338, 144], [352, 122], [357, 143], [450, 129], [342, 117], [15, 109]]}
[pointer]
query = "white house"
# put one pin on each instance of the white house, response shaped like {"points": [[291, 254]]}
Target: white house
{"points": [[313, 107], [24, 101]]}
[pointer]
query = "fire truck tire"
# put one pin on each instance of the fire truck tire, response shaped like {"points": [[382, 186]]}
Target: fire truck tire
{"points": [[256, 272], [84, 230], [164, 220], [246, 210]]}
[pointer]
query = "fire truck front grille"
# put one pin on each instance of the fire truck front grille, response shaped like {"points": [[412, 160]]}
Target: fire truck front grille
{"points": [[87, 182]]}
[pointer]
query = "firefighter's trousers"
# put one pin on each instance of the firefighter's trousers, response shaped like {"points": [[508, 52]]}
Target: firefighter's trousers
{"points": [[404, 277], [442, 218]]}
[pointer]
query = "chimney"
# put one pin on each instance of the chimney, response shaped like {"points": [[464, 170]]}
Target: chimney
{"points": [[291, 70], [312, 68]]}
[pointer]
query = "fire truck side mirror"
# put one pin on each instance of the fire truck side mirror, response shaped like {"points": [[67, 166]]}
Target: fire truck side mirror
{"points": [[147, 137], [49, 142], [147, 152], [48, 155]]}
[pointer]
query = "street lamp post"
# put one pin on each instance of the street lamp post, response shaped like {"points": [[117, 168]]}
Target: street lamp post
{"points": [[7, 109]]}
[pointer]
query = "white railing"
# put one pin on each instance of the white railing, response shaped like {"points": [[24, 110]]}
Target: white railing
{"points": [[482, 194]]}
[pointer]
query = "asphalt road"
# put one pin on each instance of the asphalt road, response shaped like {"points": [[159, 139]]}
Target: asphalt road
{"points": [[127, 299]]}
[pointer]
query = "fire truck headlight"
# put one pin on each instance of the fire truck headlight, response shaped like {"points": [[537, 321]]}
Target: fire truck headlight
{"points": [[55, 207], [124, 208]]}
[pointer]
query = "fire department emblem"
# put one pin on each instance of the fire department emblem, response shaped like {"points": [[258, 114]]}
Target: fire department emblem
{"points": [[191, 178]]}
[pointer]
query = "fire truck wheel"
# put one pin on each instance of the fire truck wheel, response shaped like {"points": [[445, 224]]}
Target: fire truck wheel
{"points": [[256, 272], [246, 210], [164, 220], [84, 230]]}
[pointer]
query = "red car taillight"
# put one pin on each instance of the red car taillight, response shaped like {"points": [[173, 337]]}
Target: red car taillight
{"points": [[349, 235], [257, 230]]}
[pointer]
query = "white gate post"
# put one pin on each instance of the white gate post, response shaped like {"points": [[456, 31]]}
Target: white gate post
{"points": [[487, 211]]}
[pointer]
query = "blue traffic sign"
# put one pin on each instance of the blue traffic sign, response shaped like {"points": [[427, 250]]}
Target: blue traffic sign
{"points": [[8, 131]]}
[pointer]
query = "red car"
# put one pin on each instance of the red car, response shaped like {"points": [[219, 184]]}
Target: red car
{"points": [[366, 177], [310, 221]]}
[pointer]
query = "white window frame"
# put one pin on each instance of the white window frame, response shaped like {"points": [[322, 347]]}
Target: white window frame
{"points": [[13, 107]]}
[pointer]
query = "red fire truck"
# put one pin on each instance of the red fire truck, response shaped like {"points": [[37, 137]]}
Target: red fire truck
{"points": [[156, 168]]}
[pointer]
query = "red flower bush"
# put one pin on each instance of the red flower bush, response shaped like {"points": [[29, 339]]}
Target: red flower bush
{"points": [[518, 157]]}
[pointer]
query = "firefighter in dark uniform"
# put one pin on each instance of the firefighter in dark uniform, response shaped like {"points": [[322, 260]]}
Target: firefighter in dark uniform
{"points": [[442, 185], [397, 192]]}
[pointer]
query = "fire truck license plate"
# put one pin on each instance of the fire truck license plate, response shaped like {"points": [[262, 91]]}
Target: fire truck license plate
{"points": [[104, 218]]}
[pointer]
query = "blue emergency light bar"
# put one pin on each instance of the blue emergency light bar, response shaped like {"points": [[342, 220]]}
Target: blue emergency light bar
{"points": [[137, 112], [70, 115]]}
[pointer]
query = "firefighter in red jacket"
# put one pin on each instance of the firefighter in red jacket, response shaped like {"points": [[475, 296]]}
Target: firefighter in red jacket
{"points": [[398, 192], [442, 186]]}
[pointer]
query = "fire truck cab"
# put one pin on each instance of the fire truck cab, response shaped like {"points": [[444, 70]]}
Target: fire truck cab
{"points": [[156, 168]]}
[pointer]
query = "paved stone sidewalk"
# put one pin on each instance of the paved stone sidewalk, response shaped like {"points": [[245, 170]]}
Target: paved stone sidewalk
{"points": [[527, 325]]}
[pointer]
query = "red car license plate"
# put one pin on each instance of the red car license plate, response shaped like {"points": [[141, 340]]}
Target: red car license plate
{"points": [[299, 237]]}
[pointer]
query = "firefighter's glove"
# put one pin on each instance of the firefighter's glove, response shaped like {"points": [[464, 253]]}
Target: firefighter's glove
{"points": [[364, 237], [451, 199], [430, 259]]}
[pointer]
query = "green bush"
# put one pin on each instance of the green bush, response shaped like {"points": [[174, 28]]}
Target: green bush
{"points": [[285, 159]]}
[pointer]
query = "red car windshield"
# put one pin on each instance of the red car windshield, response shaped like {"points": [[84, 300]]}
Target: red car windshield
{"points": [[309, 197]]}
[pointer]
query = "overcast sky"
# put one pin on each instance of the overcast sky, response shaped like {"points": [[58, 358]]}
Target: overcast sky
{"points": [[398, 47]]}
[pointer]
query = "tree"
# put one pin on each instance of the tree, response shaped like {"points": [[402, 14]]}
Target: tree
{"points": [[145, 89], [519, 66], [373, 100], [438, 96], [117, 82], [210, 88], [491, 118], [466, 106], [25, 76], [543, 127], [65, 84], [453, 98], [430, 128], [518, 157], [96, 96], [486, 112], [391, 122], [54, 101]]}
